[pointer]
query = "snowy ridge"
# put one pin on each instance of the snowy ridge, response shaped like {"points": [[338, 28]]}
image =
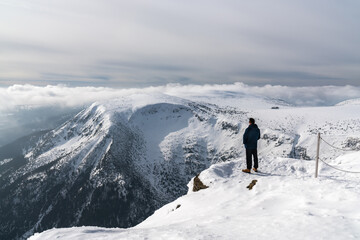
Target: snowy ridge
{"points": [[136, 152], [349, 102], [286, 202], [118, 161]]}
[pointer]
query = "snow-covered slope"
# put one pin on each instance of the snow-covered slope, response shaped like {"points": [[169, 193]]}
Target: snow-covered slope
{"points": [[115, 163], [355, 101], [118, 161], [286, 203]]}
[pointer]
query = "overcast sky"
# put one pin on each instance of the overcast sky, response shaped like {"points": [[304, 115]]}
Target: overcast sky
{"points": [[135, 43]]}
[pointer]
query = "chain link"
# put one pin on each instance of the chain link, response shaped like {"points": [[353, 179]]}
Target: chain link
{"points": [[337, 168], [342, 149]]}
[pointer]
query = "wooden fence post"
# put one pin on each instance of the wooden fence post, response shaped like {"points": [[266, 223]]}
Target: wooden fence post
{"points": [[317, 156]]}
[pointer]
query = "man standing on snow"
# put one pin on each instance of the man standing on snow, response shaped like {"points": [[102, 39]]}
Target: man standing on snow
{"points": [[250, 138]]}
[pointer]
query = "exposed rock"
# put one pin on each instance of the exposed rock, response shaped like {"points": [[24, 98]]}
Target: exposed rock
{"points": [[299, 152], [252, 184], [198, 184], [352, 143], [229, 126]]}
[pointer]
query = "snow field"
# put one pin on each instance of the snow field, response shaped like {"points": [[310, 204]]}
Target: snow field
{"points": [[287, 202]]}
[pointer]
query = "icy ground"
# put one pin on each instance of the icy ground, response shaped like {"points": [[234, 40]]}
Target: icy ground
{"points": [[287, 202]]}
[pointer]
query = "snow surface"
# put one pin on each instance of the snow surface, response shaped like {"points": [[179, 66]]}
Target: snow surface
{"points": [[355, 101], [286, 203], [7, 160]]}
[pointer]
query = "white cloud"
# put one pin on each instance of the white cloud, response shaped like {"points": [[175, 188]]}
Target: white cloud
{"points": [[64, 96]]}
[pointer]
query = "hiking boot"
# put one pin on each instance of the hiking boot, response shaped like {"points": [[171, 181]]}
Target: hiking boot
{"points": [[255, 169], [246, 170]]}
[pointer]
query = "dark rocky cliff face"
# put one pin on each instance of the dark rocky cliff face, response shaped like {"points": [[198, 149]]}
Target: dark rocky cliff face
{"points": [[61, 194]]}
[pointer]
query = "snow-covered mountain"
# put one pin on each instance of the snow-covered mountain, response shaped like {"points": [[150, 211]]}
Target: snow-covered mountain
{"points": [[355, 101], [118, 161], [115, 163], [287, 202]]}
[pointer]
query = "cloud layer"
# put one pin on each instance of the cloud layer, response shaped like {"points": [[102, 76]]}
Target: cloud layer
{"points": [[29, 96], [141, 43], [28, 108]]}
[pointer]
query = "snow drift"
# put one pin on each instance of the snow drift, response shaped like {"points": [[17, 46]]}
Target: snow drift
{"points": [[286, 203]]}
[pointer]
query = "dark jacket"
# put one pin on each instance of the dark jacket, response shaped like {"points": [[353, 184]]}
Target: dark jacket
{"points": [[251, 136]]}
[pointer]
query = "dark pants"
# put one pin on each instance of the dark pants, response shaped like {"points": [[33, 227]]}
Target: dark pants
{"points": [[249, 153]]}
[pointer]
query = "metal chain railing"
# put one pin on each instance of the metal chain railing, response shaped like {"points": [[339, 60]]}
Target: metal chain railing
{"points": [[342, 149], [336, 167], [327, 164]]}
